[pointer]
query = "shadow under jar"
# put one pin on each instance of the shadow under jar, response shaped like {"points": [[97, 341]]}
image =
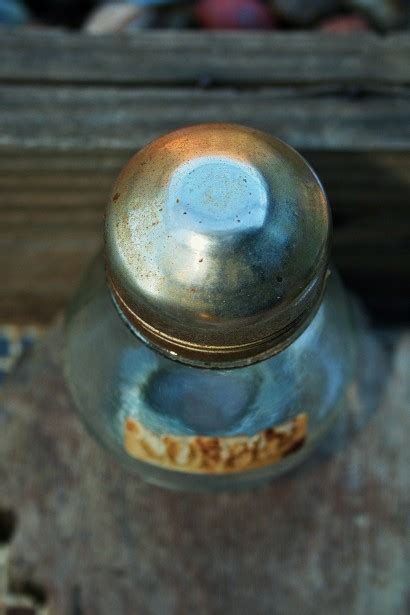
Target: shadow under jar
{"points": [[215, 347]]}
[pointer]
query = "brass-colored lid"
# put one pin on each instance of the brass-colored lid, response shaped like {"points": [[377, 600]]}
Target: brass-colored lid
{"points": [[216, 244]]}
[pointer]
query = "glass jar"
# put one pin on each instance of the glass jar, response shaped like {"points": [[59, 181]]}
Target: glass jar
{"points": [[116, 379], [189, 394]]}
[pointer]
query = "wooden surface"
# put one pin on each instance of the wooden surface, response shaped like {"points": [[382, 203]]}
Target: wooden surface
{"points": [[185, 57], [75, 107], [333, 537]]}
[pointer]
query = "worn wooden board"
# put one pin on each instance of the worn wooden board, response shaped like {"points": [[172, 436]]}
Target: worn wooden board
{"points": [[75, 107], [192, 57], [333, 537], [88, 118]]}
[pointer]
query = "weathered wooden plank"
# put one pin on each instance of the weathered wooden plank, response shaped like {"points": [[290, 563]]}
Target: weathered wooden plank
{"points": [[92, 118], [192, 57], [333, 537]]}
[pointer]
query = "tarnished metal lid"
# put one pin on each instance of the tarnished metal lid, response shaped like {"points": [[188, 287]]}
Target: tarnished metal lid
{"points": [[217, 241]]}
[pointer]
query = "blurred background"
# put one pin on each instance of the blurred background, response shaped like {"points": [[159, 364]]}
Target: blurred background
{"points": [[99, 16]]}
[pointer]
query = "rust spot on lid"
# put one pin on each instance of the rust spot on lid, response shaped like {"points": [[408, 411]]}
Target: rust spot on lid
{"points": [[116, 197]]}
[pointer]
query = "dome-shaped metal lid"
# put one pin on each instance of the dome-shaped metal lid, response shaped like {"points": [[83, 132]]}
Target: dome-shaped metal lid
{"points": [[217, 240]]}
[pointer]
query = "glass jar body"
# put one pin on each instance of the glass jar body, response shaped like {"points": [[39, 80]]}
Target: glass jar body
{"points": [[206, 429]]}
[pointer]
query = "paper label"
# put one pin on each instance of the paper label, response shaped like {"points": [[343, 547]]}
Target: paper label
{"points": [[215, 455]]}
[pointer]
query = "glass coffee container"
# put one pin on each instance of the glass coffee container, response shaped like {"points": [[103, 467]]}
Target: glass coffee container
{"points": [[213, 344]]}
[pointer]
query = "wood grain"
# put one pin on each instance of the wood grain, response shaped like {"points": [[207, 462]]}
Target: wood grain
{"points": [[333, 537], [192, 57], [86, 119]]}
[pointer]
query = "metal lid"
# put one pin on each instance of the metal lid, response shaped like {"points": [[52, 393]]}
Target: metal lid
{"points": [[217, 241]]}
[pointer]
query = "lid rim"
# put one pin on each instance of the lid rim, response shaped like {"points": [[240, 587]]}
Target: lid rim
{"points": [[219, 357]]}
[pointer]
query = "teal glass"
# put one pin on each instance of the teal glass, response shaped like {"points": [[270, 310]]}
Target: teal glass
{"points": [[113, 376]]}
